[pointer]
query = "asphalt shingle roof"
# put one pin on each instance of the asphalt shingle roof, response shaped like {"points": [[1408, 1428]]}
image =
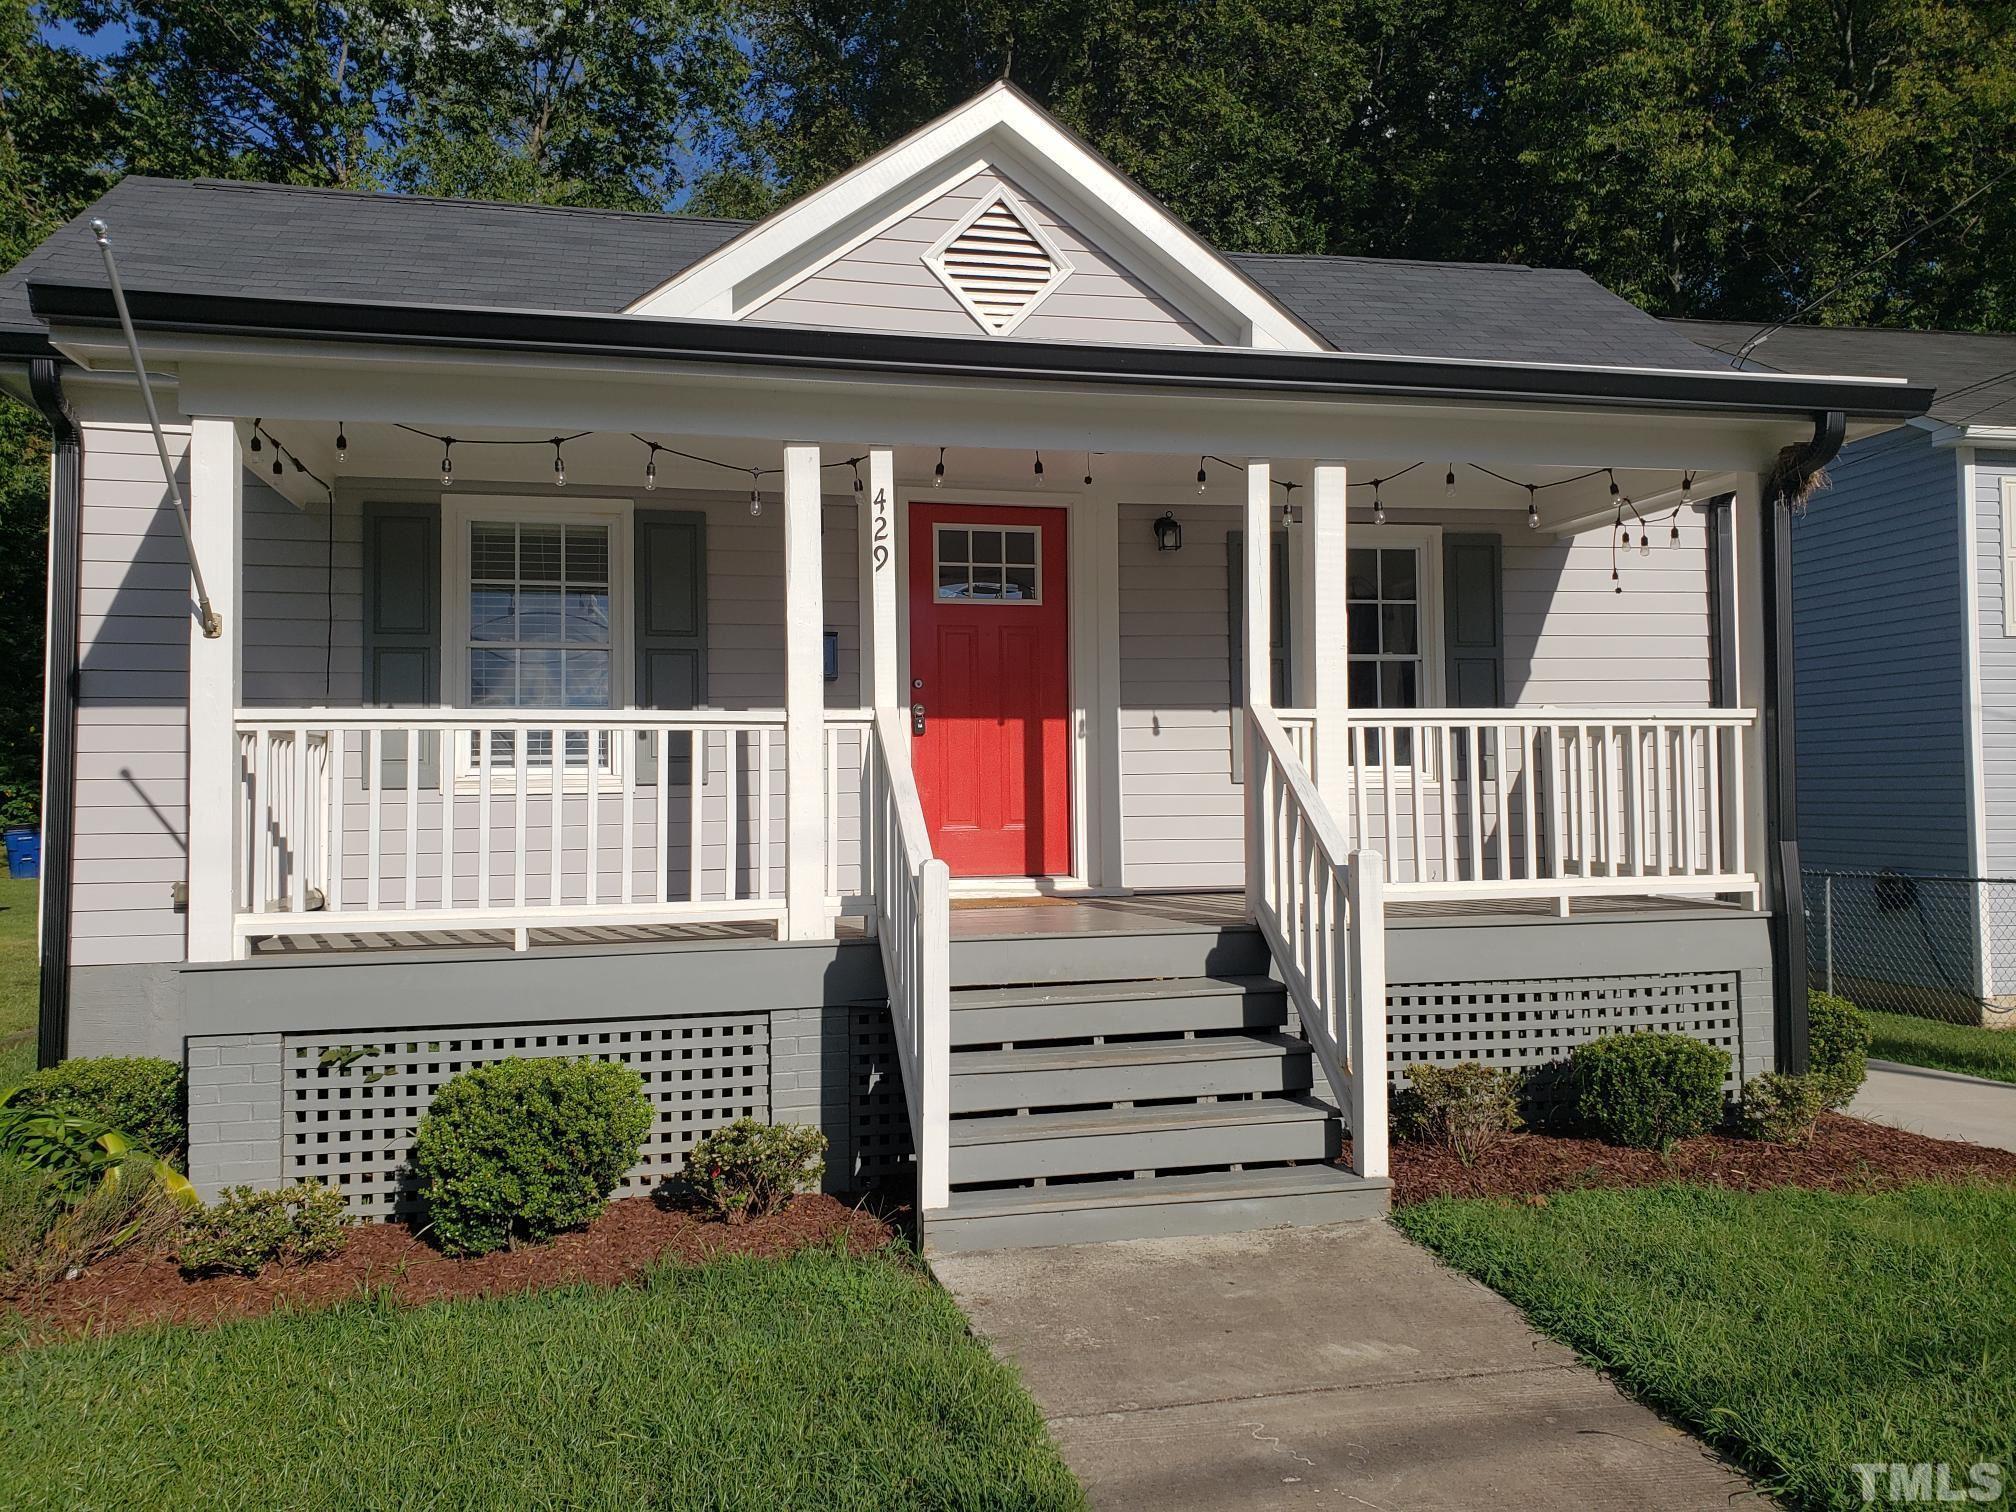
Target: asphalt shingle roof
{"points": [[1974, 374], [212, 237]]}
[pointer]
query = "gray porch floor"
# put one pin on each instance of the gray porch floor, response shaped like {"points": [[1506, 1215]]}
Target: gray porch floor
{"points": [[981, 918]]}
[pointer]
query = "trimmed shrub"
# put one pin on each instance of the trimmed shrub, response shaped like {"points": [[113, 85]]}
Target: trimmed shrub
{"points": [[1779, 1108], [748, 1168], [521, 1149], [1648, 1090], [139, 1096], [1837, 1046], [245, 1230], [1466, 1107]]}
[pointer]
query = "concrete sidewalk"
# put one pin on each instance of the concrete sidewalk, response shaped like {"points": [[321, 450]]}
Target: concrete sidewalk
{"points": [[1939, 1103], [1328, 1367]]}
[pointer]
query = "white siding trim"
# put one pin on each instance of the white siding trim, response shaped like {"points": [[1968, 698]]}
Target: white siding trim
{"points": [[2008, 556], [1971, 754]]}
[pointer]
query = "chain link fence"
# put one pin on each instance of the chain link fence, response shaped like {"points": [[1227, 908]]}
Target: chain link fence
{"points": [[1938, 947]]}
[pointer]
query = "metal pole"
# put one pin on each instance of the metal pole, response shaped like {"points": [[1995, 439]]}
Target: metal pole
{"points": [[1828, 928], [212, 625]]}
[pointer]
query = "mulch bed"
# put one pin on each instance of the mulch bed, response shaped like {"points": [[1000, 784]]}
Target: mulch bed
{"points": [[630, 1237], [1845, 1155]]}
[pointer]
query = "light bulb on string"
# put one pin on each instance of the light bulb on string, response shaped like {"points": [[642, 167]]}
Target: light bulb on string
{"points": [[755, 495], [1686, 497], [1378, 508], [342, 442], [257, 444], [1532, 508], [559, 465], [855, 463], [447, 462], [1449, 482], [938, 472], [1200, 475], [1039, 469], [651, 471]]}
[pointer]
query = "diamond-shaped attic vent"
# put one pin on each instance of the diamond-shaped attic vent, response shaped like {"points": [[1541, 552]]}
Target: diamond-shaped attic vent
{"points": [[998, 263]]}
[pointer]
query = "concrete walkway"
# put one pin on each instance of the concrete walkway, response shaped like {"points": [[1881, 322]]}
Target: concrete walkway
{"points": [[1939, 1103], [1331, 1367]]}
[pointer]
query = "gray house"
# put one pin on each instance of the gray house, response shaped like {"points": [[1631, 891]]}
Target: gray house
{"points": [[962, 661], [1906, 608]]}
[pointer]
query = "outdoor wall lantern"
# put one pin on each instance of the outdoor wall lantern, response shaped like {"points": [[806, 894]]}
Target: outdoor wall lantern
{"points": [[1168, 534]]}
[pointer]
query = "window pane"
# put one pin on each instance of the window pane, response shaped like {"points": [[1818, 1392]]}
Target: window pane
{"points": [[587, 554], [539, 553], [1399, 628], [490, 614], [1397, 573], [951, 582], [952, 546], [539, 614], [538, 679], [986, 545], [588, 616], [1361, 572], [1362, 628], [1022, 546], [987, 580], [1399, 685], [493, 551], [1362, 686], [587, 674], [493, 679], [1021, 582]]}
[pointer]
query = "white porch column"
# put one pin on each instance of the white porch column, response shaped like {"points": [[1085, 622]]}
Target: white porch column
{"points": [[1747, 566], [1258, 668], [1320, 606], [804, 698], [881, 686], [216, 496]]}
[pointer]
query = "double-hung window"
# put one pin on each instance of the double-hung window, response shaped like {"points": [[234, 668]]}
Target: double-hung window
{"points": [[1391, 609]]}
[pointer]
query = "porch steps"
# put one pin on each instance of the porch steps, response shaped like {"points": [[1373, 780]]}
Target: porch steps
{"points": [[1137, 1083]]}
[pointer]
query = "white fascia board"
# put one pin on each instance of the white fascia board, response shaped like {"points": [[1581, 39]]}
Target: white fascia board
{"points": [[996, 128]]}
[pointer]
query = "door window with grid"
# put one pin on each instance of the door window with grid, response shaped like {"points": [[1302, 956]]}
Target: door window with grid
{"points": [[997, 564], [1387, 637], [539, 627]]}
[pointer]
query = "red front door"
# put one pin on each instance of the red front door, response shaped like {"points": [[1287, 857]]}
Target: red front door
{"points": [[990, 664]]}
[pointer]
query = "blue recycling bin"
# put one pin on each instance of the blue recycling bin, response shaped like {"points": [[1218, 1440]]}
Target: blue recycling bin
{"points": [[24, 854]]}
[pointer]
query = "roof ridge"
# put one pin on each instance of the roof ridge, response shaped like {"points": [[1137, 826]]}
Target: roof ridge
{"points": [[1875, 330], [395, 196], [1398, 262]]}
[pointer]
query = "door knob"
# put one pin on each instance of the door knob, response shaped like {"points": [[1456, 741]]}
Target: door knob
{"points": [[916, 719]]}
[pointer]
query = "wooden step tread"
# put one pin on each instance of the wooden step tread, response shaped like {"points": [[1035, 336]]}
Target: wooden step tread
{"points": [[1151, 1052], [1066, 993], [1011, 1128]]}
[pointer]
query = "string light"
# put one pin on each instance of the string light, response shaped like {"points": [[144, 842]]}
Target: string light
{"points": [[755, 497], [856, 465], [256, 446], [938, 472], [447, 462], [1287, 503], [1378, 508], [651, 467], [1614, 490], [559, 465], [1039, 469], [1201, 480], [1532, 507], [1449, 482], [278, 470], [342, 442], [1088, 469], [1686, 499]]}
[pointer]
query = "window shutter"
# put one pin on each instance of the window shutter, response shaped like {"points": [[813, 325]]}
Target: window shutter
{"points": [[1235, 564], [670, 618], [402, 624]]}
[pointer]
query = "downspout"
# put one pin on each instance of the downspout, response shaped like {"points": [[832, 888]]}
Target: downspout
{"points": [[1789, 484], [59, 709]]}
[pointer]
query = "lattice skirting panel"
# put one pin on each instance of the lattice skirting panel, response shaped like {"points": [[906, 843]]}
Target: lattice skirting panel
{"points": [[1533, 1025], [350, 1104], [878, 1115]]}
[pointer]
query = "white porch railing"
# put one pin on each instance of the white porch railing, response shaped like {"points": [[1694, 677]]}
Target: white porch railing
{"points": [[1550, 802], [431, 819], [913, 922], [1322, 912]]}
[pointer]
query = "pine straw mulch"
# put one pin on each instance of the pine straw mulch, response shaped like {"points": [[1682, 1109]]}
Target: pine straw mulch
{"points": [[391, 1259], [1844, 1155]]}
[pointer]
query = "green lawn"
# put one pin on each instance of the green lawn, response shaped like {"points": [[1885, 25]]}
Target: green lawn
{"points": [[1799, 1332], [818, 1381], [17, 980], [1968, 1049]]}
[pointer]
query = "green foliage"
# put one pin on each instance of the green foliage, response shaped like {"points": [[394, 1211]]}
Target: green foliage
{"points": [[140, 1096], [1648, 1090], [521, 1149], [245, 1231], [748, 1168], [1467, 1106], [1798, 1332], [1837, 1046], [50, 1228], [1969, 1049], [1780, 1108]]}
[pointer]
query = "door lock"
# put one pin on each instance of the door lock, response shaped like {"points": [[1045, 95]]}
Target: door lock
{"points": [[916, 719]]}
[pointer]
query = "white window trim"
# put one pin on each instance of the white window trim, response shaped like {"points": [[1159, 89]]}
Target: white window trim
{"points": [[1427, 539], [938, 563], [457, 515]]}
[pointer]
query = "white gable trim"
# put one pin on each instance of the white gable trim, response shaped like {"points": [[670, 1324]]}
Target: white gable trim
{"points": [[998, 317], [1002, 130]]}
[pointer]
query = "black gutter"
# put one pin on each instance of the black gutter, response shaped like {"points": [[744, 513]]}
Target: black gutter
{"points": [[59, 710], [1787, 486], [745, 344]]}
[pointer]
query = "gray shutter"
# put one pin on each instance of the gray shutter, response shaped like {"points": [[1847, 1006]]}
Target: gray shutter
{"points": [[671, 619], [1473, 633], [1235, 560], [402, 624]]}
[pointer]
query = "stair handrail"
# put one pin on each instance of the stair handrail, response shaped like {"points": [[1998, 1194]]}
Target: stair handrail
{"points": [[913, 922], [1322, 909]]}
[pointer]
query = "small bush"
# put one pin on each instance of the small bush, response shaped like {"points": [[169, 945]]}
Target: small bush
{"points": [[49, 1229], [1781, 1109], [1648, 1090], [748, 1168], [1467, 1107], [1837, 1046], [245, 1231], [521, 1149], [139, 1096]]}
